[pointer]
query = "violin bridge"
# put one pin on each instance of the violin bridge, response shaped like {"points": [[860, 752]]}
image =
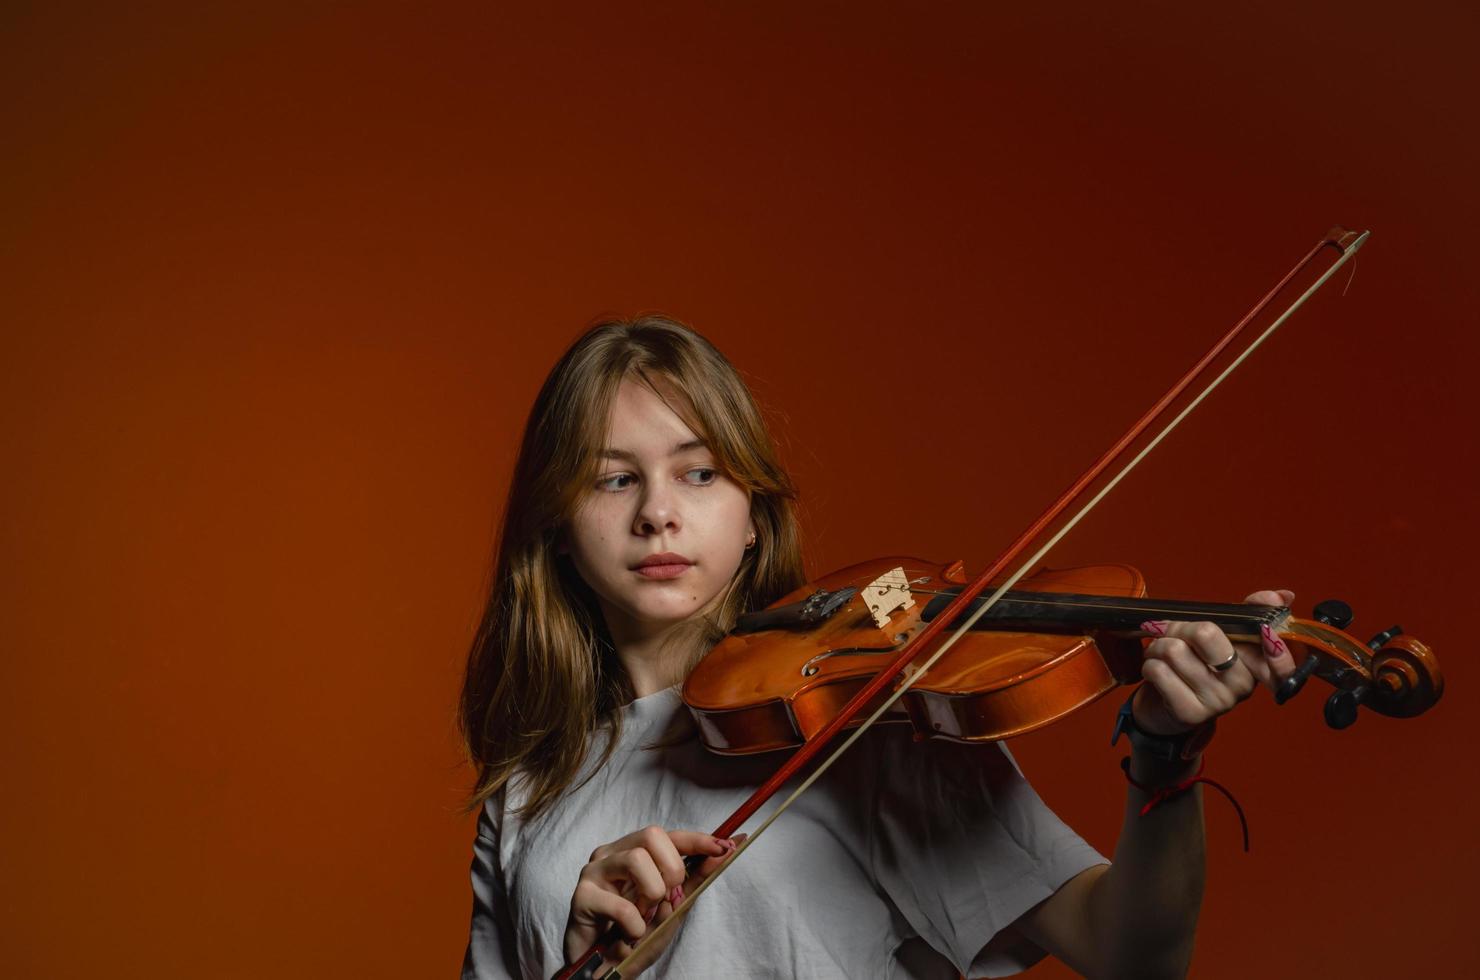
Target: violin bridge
{"points": [[887, 593]]}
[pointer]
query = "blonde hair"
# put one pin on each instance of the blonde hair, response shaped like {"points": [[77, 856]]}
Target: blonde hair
{"points": [[541, 675]]}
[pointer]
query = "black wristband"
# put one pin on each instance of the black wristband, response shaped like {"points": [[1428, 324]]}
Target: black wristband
{"points": [[1167, 748]]}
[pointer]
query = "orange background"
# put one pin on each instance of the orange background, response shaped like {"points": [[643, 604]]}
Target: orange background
{"points": [[278, 286]]}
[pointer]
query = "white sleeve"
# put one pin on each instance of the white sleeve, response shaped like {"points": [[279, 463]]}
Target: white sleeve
{"points": [[963, 846], [491, 952]]}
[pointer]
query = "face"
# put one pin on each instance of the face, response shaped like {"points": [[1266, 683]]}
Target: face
{"points": [[662, 531]]}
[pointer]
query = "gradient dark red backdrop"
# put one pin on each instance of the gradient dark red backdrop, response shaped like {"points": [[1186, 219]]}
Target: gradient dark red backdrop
{"points": [[280, 281]]}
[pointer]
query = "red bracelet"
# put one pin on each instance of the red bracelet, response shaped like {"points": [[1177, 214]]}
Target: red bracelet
{"points": [[1159, 796]]}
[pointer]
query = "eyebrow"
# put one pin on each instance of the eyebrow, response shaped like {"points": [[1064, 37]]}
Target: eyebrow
{"points": [[627, 456]]}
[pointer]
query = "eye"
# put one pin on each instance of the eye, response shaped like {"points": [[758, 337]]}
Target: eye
{"points": [[702, 475], [615, 482]]}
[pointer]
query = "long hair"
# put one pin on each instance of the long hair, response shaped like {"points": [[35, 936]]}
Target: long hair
{"points": [[542, 674]]}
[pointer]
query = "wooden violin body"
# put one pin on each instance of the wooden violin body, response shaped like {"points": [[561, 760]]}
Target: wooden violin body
{"points": [[1057, 642]]}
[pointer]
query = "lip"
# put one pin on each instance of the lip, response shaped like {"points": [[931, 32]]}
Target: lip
{"points": [[665, 565]]}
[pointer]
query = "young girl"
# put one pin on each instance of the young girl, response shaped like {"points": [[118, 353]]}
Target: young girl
{"points": [[648, 511]]}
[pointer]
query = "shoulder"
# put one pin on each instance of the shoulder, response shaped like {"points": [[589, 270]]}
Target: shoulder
{"points": [[491, 815]]}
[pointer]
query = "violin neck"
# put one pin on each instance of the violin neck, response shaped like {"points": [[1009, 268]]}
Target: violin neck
{"points": [[1064, 612]]}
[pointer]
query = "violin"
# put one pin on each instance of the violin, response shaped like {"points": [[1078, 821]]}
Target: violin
{"points": [[1055, 644], [859, 646]]}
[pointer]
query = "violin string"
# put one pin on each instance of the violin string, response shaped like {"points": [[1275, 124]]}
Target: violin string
{"points": [[913, 673]]}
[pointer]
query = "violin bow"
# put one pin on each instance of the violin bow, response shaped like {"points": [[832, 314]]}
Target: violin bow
{"points": [[1344, 242]]}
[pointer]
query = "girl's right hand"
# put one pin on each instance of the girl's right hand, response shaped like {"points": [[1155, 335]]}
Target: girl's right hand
{"points": [[636, 882]]}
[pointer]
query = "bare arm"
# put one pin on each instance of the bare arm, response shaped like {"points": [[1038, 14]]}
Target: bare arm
{"points": [[1138, 916]]}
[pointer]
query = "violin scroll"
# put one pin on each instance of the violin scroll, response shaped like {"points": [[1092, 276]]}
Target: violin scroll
{"points": [[1407, 678], [1392, 673]]}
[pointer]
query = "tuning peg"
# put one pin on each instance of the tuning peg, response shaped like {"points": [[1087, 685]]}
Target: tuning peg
{"points": [[1381, 639], [1290, 686], [1333, 612], [1341, 707]]}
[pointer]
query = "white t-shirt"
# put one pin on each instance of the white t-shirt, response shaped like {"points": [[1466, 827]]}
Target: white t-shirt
{"points": [[903, 861]]}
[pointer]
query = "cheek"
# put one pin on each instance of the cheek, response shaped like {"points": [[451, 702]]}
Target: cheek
{"points": [[589, 538], [593, 565], [730, 523]]}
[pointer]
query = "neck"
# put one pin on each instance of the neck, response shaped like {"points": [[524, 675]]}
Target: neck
{"points": [[656, 657], [1062, 612]]}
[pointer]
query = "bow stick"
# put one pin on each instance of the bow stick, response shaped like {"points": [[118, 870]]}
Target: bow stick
{"points": [[1346, 243]]}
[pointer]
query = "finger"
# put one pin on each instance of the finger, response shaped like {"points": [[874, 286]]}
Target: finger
{"points": [[1270, 597], [1209, 642], [1181, 702], [693, 842], [665, 854], [635, 839], [688, 843], [716, 851], [710, 864], [1257, 663], [666, 846], [593, 905], [635, 867], [1217, 692], [1276, 654]]}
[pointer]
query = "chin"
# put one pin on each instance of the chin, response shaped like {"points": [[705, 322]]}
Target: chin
{"points": [[669, 616], [670, 613]]}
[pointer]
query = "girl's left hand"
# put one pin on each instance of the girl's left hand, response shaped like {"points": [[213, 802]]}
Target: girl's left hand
{"points": [[1182, 690]]}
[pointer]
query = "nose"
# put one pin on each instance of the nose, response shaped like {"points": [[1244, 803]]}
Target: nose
{"points": [[657, 510]]}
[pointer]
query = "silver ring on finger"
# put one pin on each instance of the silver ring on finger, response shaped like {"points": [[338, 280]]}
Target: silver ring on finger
{"points": [[1225, 665]]}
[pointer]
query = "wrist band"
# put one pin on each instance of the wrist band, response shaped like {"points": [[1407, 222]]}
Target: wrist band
{"points": [[1160, 796], [1168, 748]]}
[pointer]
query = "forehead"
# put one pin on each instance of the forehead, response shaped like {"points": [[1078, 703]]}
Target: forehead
{"points": [[643, 422]]}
